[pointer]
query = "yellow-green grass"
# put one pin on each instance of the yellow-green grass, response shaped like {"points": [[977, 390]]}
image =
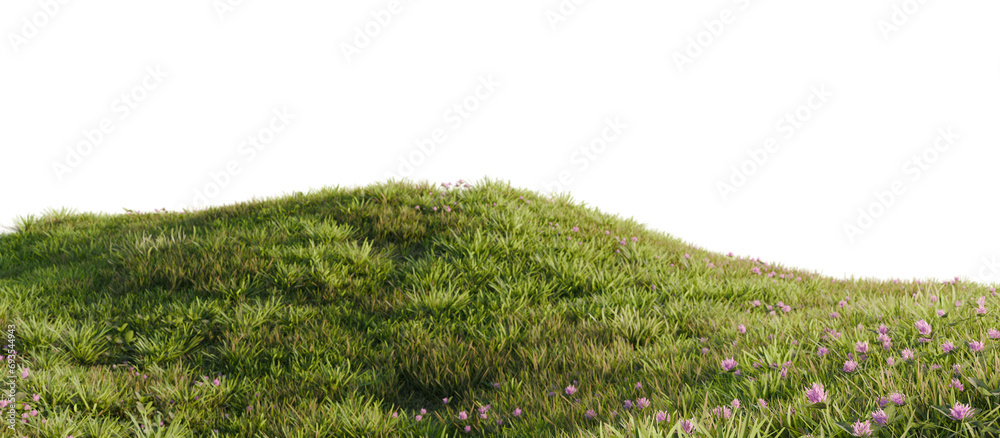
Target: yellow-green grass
{"points": [[346, 311]]}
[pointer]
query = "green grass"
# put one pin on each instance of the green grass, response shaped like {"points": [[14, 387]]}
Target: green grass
{"points": [[326, 314]]}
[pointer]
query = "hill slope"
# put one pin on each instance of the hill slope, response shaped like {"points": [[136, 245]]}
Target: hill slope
{"points": [[406, 309]]}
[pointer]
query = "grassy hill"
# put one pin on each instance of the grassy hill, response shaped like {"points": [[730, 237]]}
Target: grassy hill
{"points": [[404, 309]]}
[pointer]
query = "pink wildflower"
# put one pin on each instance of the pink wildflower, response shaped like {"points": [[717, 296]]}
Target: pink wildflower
{"points": [[880, 417], [861, 347], [729, 364], [722, 412], [960, 412], [923, 327], [947, 347], [862, 429], [816, 394], [897, 398], [687, 426]]}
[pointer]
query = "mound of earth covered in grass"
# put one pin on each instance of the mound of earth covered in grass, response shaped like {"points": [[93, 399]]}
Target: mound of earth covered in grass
{"points": [[460, 309]]}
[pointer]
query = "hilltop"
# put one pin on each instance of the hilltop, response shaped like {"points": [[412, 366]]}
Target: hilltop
{"points": [[412, 309]]}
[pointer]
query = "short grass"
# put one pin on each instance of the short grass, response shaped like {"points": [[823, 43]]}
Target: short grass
{"points": [[405, 309]]}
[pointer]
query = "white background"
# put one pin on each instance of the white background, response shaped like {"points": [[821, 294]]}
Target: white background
{"points": [[563, 69]]}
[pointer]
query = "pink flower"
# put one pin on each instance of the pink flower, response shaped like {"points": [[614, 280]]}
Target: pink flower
{"points": [[880, 417], [850, 366], [687, 426], [216, 382], [468, 429], [741, 328], [419, 417], [24, 373], [960, 412], [628, 404], [642, 403], [736, 404], [976, 346], [891, 361], [885, 340], [822, 351], [923, 327], [722, 412], [661, 417], [993, 333], [590, 414], [762, 403], [517, 412], [882, 329], [897, 398], [934, 298], [816, 394], [445, 400], [957, 384], [861, 347], [941, 313], [729, 364], [463, 416], [570, 390], [947, 347], [862, 429]]}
